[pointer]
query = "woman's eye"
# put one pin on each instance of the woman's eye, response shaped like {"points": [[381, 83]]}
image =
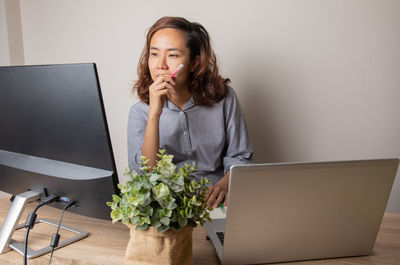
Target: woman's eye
{"points": [[153, 54], [173, 55]]}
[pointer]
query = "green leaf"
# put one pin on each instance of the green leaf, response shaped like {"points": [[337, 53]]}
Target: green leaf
{"points": [[146, 202], [188, 212], [165, 220], [136, 212], [192, 201], [163, 228], [160, 213], [181, 180], [154, 177], [130, 211], [149, 210], [134, 220], [137, 185], [146, 220], [137, 199], [176, 188], [171, 204], [116, 215], [132, 175], [182, 222], [206, 214], [141, 221], [116, 198], [120, 186], [155, 222], [174, 217], [167, 212], [142, 227], [144, 168], [161, 191], [125, 220], [113, 205]]}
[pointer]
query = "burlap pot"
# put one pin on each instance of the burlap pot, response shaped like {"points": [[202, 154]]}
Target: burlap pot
{"points": [[152, 248]]}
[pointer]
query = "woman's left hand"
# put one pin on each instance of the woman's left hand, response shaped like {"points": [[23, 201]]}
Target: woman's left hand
{"points": [[218, 193]]}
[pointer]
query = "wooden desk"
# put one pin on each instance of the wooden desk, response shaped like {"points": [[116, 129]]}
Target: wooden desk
{"points": [[106, 243]]}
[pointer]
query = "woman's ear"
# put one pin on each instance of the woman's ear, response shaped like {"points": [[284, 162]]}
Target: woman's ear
{"points": [[194, 63]]}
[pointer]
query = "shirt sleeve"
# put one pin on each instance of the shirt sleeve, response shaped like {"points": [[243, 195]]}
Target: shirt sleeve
{"points": [[137, 121], [238, 146]]}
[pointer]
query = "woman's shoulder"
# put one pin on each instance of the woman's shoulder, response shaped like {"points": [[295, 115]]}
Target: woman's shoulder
{"points": [[139, 108], [140, 105], [230, 95], [230, 92]]}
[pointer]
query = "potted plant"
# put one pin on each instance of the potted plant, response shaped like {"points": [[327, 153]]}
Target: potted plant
{"points": [[161, 207]]}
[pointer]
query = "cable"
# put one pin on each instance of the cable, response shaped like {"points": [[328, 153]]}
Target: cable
{"points": [[31, 219], [26, 245], [56, 236]]}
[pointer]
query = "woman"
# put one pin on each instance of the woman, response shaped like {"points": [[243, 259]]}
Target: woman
{"points": [[193, 115]]}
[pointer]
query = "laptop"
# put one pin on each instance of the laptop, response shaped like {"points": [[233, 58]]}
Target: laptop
{"points": [[302, 211]]}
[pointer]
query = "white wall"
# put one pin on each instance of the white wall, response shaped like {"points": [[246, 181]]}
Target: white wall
{"points": [[14, 32], [4, 53], [317, 80]]}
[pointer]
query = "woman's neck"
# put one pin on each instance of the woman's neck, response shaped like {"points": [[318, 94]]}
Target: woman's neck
{"points": [[181, 97]]}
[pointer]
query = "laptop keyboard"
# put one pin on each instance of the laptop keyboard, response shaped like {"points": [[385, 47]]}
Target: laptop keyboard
{"points": [[221, 236]]}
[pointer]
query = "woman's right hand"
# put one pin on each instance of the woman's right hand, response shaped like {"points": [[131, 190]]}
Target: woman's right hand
{"points": [[161, 88]]}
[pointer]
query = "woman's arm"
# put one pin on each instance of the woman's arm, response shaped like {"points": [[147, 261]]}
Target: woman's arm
{"points": [[218, 193], [238, 148], [160, 89], [151, 142]]}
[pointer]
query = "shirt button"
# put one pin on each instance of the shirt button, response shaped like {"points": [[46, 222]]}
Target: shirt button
{"points": [[189, 153], [185, 133]]}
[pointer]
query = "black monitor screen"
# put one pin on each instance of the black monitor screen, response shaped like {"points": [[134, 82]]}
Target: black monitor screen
{"points": [[54, 135]]}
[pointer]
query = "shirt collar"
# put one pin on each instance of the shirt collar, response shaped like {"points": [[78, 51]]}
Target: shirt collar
{"points": [[190, 104]]}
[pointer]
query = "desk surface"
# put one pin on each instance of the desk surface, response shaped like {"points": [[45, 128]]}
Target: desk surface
{"points": [[106, 243]]}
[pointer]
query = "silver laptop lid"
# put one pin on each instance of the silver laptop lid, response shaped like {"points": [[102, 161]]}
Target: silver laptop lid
{"points": [[302, 211]]}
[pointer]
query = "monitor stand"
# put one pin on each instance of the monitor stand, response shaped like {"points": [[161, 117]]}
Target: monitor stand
{"points": [[11, 224]]}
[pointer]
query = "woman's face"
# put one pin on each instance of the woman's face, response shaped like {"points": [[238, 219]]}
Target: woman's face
{"points": [[167, 51]]}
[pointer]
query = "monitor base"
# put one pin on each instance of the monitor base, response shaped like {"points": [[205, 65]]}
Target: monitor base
{"points": [[31, 253], [11, 224]]}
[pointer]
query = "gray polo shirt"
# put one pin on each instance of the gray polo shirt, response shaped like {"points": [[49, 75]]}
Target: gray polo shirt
{"points": [[214, 137]]}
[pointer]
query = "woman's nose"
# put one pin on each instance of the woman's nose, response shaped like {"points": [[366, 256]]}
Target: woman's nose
{"points": [[162, 63]]}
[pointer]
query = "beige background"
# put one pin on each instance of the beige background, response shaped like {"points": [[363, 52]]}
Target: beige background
{"points": [[317, 80]]}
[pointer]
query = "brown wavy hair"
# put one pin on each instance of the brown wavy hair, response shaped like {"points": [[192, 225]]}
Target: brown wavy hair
{"points": [[206, 85]]}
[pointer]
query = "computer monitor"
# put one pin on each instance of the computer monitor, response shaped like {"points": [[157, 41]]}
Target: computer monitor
{"points": [[54, 139]]}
